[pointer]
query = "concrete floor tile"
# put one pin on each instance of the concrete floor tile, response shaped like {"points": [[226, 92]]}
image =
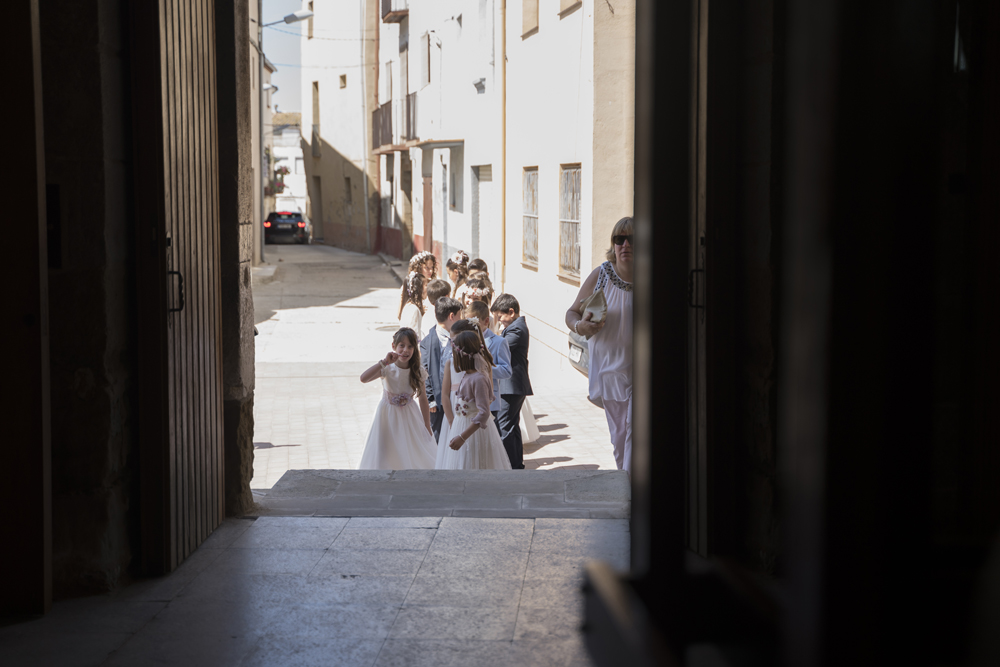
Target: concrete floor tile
{"points": [[481, 623], [443, 653], [564, 542], [519, 513], [57, 650], [552, 652], [266, 561], [369, 561], [227, 533], [510, 565], [385, 538], [553, 592], [542, 565], [446, 591], [379, 590], [596, 525], [344, 620], [394, 522], [545, 623], [298, 537], [274, 650]]}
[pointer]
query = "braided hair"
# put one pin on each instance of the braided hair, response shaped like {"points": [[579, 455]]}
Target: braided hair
{"points": [[459, 263], [412, 292]]}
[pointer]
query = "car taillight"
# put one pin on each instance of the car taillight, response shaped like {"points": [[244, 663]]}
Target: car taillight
{"points": [[302, 224], [267, 223]]}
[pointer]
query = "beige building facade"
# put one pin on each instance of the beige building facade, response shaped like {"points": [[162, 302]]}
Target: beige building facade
{"points": [[339, 88]]}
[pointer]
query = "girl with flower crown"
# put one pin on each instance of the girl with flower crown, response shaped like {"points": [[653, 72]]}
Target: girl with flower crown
{"points": [[400, 436], [471, 441], [412, 302], [458, 270], [424, 263]]}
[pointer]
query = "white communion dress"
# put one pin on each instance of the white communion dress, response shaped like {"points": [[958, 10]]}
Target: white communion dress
{"points": [[412, 318], [484, 449], [443, 438], [398, 438]]}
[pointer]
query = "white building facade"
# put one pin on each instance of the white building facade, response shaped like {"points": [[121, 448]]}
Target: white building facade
{"points": [[505, 129]]}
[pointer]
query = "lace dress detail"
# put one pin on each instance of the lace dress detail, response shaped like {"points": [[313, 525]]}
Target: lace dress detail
{"points": [[397, 437], [483, 450]]}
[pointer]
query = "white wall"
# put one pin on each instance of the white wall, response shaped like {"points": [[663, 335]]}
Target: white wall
{"points": [[549, 123]]}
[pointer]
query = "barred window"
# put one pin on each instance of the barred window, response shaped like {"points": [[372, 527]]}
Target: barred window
{"points": [[529, 255], [570, 199]]}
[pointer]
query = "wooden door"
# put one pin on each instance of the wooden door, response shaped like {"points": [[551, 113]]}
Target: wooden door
{"points": [[697, 403], [177, 215]]}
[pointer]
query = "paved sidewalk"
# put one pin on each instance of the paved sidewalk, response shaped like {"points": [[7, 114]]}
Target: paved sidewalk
{"points": [[324, 315], [359, 592]]}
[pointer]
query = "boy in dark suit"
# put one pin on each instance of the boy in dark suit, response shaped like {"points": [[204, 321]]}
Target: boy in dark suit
{"points": [[446, 312], [513, 391]]}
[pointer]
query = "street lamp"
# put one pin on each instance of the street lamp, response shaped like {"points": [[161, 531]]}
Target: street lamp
{"points": [[294, 17]]}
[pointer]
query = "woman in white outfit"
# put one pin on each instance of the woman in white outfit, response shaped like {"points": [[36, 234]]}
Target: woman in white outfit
{"points": [[611, 340]]}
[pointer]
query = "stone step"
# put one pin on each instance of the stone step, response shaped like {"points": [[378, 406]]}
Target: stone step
{"points": [[562, 493]]}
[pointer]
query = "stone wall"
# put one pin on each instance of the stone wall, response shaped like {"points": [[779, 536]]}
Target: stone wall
{"points": [[236, 238]]}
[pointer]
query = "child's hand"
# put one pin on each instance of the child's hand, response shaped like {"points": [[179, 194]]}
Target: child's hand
{"points": [[457, 442], [434, 409], [390, 358]]}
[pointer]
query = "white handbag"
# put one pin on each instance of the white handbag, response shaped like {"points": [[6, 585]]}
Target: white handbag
{"points": [[596, 305]]}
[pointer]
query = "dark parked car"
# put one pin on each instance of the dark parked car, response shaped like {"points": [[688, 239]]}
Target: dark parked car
{"points": [[287, 225], [579, 352]]}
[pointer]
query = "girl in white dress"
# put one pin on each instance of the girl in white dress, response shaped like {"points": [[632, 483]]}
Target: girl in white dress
{"points": [[412, 304], [451, 378], [473, 440], [400, 437]]}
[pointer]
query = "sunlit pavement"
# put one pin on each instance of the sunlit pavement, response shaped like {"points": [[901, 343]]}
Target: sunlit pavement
{"points": [[325, 316]]}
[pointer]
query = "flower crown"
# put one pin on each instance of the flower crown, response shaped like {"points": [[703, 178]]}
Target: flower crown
{"points": [[459, 257], [478, 292], [420, 258]]}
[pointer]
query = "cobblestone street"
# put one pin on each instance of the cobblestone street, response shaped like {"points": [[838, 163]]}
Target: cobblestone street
{"points": [[324, 315]]}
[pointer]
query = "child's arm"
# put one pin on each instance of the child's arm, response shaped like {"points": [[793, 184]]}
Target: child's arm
{"points": [[446, 394], [375, 371], [426, 411]]}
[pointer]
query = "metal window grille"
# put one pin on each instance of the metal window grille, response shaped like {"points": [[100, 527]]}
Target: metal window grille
{"points": [[529, 253], [570, 198]]}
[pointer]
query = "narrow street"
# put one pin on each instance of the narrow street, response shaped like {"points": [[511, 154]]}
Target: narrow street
{"points": [[323, 316]]}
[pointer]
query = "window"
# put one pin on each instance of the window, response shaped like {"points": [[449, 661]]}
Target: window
{"points": [[309, 29], [347, 189], [386, 86], [343, 81], [529, 17], [299, 166], [569, 221], [424, 60], [529, 254]]}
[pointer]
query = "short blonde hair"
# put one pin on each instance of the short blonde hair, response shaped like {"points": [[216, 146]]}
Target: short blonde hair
{"points": [[623, 226]]}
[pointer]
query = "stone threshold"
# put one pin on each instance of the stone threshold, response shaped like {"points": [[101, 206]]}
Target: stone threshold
{"points": [[528, 494]]}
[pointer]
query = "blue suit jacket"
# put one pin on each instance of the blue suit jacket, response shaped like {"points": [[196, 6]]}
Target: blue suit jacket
{"points": [[516, 335], [430, 356]]}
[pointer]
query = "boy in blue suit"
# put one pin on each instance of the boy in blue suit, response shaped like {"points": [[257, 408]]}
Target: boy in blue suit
{"points": [[432, 348]]}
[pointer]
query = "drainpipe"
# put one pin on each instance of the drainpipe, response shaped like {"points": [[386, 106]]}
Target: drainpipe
{"points": [[260, 89], [364, 121], [503, 146]]}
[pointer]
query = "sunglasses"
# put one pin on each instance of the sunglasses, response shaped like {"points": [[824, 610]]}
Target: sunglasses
{"points": [[620, 239]]}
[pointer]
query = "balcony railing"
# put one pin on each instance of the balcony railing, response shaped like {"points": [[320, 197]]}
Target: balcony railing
{"points": [[393, 11], [410, 117]]}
